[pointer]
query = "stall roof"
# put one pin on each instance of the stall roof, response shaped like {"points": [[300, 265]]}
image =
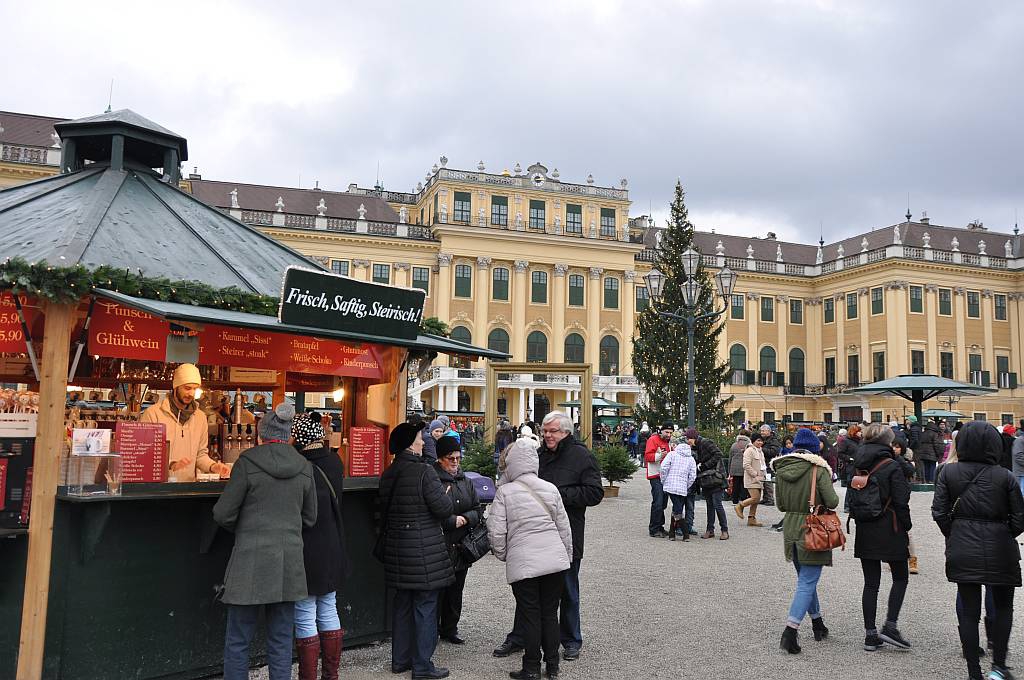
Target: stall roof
{"points": [[174, 311]]}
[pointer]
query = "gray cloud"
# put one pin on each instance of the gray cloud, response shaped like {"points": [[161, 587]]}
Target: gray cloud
{"points": [[776, 115]]}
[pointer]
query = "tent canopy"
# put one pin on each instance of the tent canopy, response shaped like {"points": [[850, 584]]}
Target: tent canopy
{"points": [[942, 413], [920, 388]]}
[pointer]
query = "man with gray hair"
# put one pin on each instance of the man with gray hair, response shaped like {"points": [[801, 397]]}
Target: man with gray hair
{"points": [[571, 467]]}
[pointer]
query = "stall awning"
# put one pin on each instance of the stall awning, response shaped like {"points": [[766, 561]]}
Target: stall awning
{"points": [[173, 311], [596, 402]]}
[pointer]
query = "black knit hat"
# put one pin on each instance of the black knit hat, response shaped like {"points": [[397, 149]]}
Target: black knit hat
{"points": [[446, 446], [402, 437]]}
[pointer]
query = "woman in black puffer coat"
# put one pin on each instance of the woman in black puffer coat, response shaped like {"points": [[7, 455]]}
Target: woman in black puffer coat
{"points": [[979, 508], [416, 562], [464, 517], [885, 539]]}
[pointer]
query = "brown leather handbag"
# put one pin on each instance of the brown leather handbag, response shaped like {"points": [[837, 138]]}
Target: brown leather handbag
{"points": [[822, 529]]}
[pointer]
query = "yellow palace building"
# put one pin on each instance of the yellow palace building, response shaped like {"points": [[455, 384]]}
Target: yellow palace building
{"points": [[552, 270]]}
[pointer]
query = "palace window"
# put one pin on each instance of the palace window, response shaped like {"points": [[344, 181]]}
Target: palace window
{"points": [[539, 288], [851, 305], [946, 365], [878, 366], [917, 361], [945, 302], [738, 365], [382, 273], [576, 290], [537, 214], [853, 370], [999, 301], [829, 306], [608, 224], [611, 293], [536, 347], [573, 218], [609, 358], [877, 302], [497, 340], [463, 281], [461, 334], [421, 279], [575, 349], [973, 304], [499, 211], [796, 311], [830, 371], [340, 267], [462, 209], [643, 298], [767, 308], [736, 307], [499, 283], [916, 299]]}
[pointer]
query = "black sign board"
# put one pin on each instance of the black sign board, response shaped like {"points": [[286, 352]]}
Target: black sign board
{"points": [[323, 300]]}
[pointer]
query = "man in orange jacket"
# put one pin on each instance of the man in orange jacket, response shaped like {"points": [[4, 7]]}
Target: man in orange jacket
{"points": [[657, 448]]}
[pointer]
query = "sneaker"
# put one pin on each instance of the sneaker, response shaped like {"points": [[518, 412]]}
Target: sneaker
{"points": [[891, 635], [872, 643], [1000, 673]]}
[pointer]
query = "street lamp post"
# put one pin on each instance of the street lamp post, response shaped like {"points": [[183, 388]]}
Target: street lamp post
{"points": [[725, 280]]}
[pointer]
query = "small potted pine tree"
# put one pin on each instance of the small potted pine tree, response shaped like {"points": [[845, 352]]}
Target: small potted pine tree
{"points": [[616, 467]]}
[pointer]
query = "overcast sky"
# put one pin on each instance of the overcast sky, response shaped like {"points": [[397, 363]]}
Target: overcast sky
{"points": [[776, 115]]}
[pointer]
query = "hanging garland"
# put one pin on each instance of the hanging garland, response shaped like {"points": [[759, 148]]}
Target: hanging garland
{"points": [[69, 284]]}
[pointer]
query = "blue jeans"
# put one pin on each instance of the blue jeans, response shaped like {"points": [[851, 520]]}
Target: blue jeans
{"points": [[240, 630], [315, 614], [414, 629], [715, 507], [679, 504], [659, 501], [805, 599], [569, 608]]}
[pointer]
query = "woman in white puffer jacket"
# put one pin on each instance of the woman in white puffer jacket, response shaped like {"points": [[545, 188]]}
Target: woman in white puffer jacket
{"points": [[529, 532]]}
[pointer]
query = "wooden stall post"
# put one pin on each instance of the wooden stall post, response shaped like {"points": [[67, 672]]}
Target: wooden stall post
{"points": [[53, 387]]}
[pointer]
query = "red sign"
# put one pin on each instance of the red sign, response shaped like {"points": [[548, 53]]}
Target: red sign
{"points": [[3, 481], [12, 337], [230, 346], [127, 333], [143, 449], [123, 332], [365, 448], [26, 498]]}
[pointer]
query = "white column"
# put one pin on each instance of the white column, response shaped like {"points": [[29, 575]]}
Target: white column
{"points": [[522, 405]]}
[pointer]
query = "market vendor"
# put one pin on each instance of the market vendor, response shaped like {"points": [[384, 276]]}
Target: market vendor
{"points": [[187, 429]]}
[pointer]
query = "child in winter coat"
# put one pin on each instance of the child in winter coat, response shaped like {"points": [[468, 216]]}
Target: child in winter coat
{"points": [[678, 472]]}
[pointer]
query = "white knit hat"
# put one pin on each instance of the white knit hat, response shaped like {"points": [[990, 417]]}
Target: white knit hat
{"points": [[186, 374]]}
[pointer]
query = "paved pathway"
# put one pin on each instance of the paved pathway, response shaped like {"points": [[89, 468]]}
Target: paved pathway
{"points": [[653, 608]]}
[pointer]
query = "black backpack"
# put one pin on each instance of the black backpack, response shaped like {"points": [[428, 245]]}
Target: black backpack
{"points": [[865, 495]]}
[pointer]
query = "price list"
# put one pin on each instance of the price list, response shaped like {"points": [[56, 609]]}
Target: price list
{"points": [[365, 447], [143, 449]]}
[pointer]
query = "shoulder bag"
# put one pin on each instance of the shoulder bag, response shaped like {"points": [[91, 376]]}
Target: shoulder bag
{"points": [[822, 528]]}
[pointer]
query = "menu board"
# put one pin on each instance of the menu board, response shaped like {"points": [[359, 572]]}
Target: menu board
{"points": [[365, 448], [26, 498], [12, 335], [143, 449]]}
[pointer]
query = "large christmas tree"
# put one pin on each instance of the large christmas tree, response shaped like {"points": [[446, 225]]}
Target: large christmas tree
{"points": [[659, 353]]}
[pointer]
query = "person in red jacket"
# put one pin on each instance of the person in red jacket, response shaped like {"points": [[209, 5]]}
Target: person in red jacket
{"points": [[657, 448]]}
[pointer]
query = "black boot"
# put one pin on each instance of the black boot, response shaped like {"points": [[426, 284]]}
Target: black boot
{"points": [[672, 528], [820, 631], [789, 642]]}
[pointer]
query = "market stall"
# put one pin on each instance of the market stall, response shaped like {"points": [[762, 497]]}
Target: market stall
{"points": [[111, 566]]}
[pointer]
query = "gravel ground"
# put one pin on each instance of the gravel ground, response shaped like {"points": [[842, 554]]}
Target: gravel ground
{"points": [[706, 609]]}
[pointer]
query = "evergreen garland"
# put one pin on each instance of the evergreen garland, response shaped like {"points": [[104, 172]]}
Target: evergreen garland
{"points": [[70, 284], [659, 352]]}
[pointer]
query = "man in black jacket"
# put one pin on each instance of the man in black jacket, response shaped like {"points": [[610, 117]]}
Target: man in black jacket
{"points": [[571, 467], [770, 448]]}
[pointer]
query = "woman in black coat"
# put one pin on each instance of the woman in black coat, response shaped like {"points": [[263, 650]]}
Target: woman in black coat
{"points": [[886, 538], [464, 517], [416, 561], [979, 508], [317, 625]]}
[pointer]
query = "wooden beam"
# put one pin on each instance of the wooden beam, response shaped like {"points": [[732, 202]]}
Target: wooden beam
{"points": [[45, 478]]}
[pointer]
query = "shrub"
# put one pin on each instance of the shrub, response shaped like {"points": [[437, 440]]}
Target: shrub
{"points": [[615, 463], [479, 457]]}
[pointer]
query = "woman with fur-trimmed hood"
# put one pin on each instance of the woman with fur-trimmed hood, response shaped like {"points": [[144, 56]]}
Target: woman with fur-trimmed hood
{"points": [[793, 475]]}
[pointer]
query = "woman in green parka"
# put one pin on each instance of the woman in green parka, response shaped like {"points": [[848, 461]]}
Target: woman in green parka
{"points": [[793, 474]]}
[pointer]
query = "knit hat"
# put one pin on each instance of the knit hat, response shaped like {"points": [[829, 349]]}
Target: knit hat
{"points": [[402, 437], [1010, 430], [307, 431], [911, 419], [667, 425], [691, 433], [186, 374], [678, 437], [447, 445], [445, 420], [842, 432], [278, 423], [525, 432], [806, 440], [436, 425]]}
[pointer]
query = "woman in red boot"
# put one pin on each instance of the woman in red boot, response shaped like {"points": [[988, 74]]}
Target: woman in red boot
{"points": [[318, 629]]}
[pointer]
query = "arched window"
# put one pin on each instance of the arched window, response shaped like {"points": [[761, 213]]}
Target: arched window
{"points": [[498, 340], [575, 348], [537, 347], [609, 361], [462, 334], [767, 367], [796, 371], [738, 365]]}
